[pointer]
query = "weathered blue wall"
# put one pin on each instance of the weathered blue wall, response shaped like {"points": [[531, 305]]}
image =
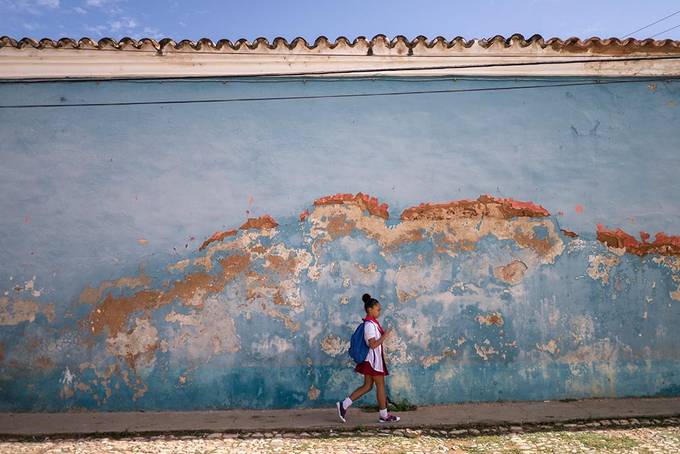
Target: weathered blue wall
{"points": [[107, 303]]}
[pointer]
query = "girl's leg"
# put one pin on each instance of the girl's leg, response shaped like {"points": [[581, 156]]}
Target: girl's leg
{"points": [[360, 391], [363, 389], [382, 400], [380, 391]]}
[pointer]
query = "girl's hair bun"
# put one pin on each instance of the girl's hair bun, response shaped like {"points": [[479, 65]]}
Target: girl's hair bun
{"points": [[369, 301]]}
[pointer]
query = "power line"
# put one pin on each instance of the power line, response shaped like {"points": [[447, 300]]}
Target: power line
{"points": [[653, 23], [224, 80], [410, 80], [346, 95], [374, 70], [667, 30]]}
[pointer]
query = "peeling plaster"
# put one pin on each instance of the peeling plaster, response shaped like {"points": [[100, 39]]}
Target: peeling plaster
{"points": [[137, 346], [396, 350], [493, 318], [511, 273], [198, 315], [431, 360], [313, 393], [600, 266], [14, 312], [485, 351], [334, 346], [549, 347]]}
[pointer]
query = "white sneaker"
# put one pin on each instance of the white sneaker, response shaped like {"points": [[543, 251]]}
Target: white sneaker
{"points": [[341, 411]]}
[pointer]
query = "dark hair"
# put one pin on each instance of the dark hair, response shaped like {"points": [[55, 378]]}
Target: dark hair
{"points": [[369, 302]]}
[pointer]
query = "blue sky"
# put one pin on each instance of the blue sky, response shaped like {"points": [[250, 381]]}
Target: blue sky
{"points": [[243, 19]]}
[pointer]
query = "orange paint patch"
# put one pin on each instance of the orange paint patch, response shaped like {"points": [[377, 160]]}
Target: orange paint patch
{"points": [[528, 240], [485, 205], [92, 295], [232, 266], [662, 244], [283, 266], [263, 222], [410, 236], [578, 208], [113, 313], [339, 226], [494, 318], [304, 215], [370, 204], [143, 241], [187, 288], [217, 236], [511, 273], [278, 299]]}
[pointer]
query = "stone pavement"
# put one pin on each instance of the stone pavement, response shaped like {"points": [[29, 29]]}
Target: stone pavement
{"points": [[611, 439], [325, 421]]}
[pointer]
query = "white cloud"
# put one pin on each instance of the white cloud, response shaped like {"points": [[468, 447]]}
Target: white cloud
{"points": [[32, 7], [107, 6], [111, 18], [123, 26], [149, 32], [97, 31], [125, 23]]}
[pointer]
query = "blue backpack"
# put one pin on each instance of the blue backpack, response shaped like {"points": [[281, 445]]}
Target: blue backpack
{"points": [[357, 345]]}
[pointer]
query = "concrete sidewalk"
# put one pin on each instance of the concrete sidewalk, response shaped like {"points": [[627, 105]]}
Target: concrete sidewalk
{"points": [[440, 416]]}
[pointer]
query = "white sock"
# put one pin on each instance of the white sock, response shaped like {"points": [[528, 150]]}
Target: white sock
{"points": [[346, 403], [383, 413]]}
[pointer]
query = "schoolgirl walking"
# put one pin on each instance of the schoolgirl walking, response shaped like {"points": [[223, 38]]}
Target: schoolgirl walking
{"points": [[366, 348]]}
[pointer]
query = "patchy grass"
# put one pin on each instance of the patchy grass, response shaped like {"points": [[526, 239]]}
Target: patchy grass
{"points": [[402, 405]]}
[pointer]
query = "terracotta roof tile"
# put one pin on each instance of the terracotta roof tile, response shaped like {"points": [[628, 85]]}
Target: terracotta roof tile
{"points": [[594, 45]]}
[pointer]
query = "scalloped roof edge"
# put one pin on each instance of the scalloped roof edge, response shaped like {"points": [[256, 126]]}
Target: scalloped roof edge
{"points": [[322, 42]]}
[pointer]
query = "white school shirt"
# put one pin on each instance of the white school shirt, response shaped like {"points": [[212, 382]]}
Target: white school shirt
{"points": [[374, 355]]}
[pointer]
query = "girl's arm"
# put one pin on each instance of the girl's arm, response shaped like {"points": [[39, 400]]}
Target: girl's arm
{"points": [[376, 343]]}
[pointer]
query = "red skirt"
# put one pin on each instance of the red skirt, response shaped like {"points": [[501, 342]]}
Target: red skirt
{"points": [[366, 369]]}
